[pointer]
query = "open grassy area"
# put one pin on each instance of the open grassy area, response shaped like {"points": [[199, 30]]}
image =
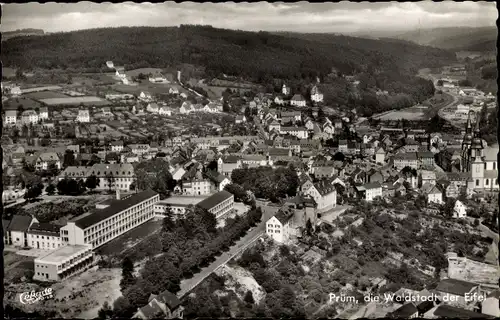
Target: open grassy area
{"points": [[45, 95], [26, 103], [136, 244], [17, 267]]}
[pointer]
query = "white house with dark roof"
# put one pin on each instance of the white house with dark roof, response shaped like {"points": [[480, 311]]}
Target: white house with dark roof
{"points": [[459, 210], [299, 132], [316, 96], [30, 116], [298, 101], [117, 146], [324, 194], [44, 113], [83, 116], [45, 236], [46, 159], [491, 305], [165, 111], [285, 90], [163, 306], [152, 107], [280, 226], [10, 117]]}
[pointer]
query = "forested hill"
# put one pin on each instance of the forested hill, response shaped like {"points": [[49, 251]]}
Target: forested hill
{"points": [[251, 54]]}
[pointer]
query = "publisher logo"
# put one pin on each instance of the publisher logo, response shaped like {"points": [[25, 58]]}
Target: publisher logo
{"points": [[33, 297]]}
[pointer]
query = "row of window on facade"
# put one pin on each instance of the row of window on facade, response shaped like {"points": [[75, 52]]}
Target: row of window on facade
{"points": [[113, 220], [117, 231], [275, 231], [43, 245]]}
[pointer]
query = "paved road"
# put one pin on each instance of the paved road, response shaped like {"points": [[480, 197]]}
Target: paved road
{"points": [[257, 232]]}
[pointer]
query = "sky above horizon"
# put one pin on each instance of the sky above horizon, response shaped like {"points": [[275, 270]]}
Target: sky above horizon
{"points": [[340, 17]]}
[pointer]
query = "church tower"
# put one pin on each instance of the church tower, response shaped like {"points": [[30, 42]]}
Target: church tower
{"points": [[465, 160], [477, 160]]}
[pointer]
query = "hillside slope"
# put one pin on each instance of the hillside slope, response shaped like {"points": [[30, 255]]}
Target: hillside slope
{"points": [[220, 51], [460, 38]]}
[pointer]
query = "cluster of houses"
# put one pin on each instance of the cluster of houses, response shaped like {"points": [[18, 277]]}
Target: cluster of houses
{"points": [[297, 100], [26, 117]]}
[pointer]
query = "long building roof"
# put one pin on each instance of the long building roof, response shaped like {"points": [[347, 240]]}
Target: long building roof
{"points": [[215, 199], [115, 207]]}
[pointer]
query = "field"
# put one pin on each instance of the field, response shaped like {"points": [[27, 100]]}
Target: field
{"points": [[45, 95], [17, 267], [26, 103], [8, 72], [88, 100], [413, 113], [146, 71], [153, 88], [125, 245]]}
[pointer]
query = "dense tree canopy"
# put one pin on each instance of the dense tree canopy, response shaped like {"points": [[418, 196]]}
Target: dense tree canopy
{"points": [[266, 182]]}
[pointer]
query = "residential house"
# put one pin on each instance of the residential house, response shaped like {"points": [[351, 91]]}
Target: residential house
{"points": [[157, 78], [406, 311], [298, 101], [426, 176], [45, 236], [286, 90], [46, 159], [166, 305], [490, 305], [373, 175], [139, 149], [113, 176], [426, 159], [434, 195], [447, 311], [226, 165], [455, 292], [153, 108], [452, 190], [279, 227], [145, 96], [316, 96], [459, 210], [240, 119], [296, 115], [402, 160], [186, 108], [372, 190], [324, 194], [299, 132], [323, 169], [15, 91], [44, 113], [116, 146], [29, 116], [10, 117], [173, 90], [274, 125], [165, 111], [278, 100], [343, 146], [218, 181], [83, 116]]}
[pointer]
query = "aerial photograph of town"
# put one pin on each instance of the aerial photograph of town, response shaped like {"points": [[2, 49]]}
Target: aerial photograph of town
{"points": [[250, 160]]}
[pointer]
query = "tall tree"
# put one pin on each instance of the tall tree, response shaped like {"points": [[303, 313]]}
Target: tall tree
{"points": [[128, 278]]}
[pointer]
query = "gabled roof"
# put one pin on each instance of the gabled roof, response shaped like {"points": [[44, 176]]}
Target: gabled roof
{"points": [[49, 156], [152, 310], [404, 311], [298, 97], [448, 311], [20, 223], [372, 185], [454, 286], [283, 216], [169, 299], [44, 229], [324, 187]]}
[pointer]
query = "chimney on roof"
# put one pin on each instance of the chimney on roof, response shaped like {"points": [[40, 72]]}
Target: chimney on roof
{"points": [[118, 195]]}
